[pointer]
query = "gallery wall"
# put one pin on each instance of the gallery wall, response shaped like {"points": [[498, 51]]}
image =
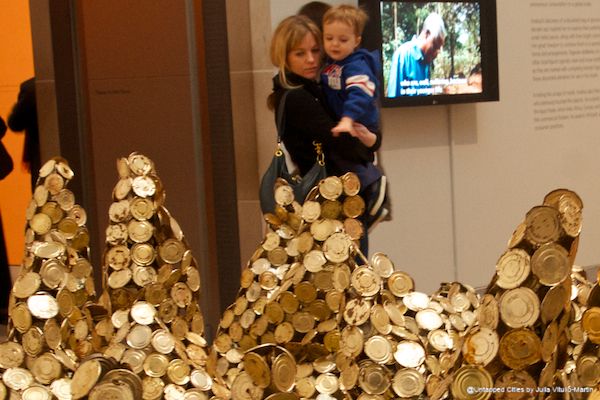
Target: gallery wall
{"points": [[464, 176], [15, 67]]}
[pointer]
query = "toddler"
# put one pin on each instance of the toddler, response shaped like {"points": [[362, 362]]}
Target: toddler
{"points": [[350, 75]]}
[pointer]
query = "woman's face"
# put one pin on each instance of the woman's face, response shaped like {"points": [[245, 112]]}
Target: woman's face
{"points": [[305, 59]]}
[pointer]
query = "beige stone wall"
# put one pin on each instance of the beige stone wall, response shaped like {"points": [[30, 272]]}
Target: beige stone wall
{"points": [[248, 30]]}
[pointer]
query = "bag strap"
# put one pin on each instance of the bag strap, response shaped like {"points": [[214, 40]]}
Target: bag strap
{"points": [[281, 124], [281, 116]]}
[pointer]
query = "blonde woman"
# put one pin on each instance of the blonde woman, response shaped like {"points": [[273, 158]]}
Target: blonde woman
{"points": [[296, 52]]}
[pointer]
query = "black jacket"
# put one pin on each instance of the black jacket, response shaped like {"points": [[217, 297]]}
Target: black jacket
{"points": [[307, 119], [23, 117]]}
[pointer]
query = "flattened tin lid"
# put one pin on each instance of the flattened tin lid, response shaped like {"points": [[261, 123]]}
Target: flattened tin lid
{"points": [[42, 305], [144, 186], [350, 184], [518, 235], [258, 369], [46, 368], [428, 319], [520, 348], [353, 206], [550, 263], [400, 283], [54, 183], [314, 260], [140, 231], [11, 355], [26, 285], [480, 347], [380, 319], [515, 385], [487, 312], [543, 225], [201, 379], [354, 228], [134, 358], [155, 365], [351, 341], [284, 195], [554, 302], [283, 372], [139, 164], [178, 372], [357, 311], [549, 341], [143, 313], [409, 354], [331, 187], [588, 370], [17, 378], [85, 378], [471, 382], [440, 340], [570, 207], [512, 268], [590, 323], [171, 250], [322, 229], [119, 211], [311, 211], [519, 307], [62, 167], [373, 378], [331, 209], [416, 301], [141, 208], [395, 312], [382, 265], [365, 281], [379, 349], [118, 279], [118, 257], [408, 382], [139, 336], [337, 247], [36, 392]]}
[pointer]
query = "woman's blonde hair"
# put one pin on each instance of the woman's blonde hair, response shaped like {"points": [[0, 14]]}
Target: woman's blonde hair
{"points": [[287, 36]]}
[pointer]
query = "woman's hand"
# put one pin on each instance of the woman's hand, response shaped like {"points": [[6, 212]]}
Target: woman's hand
{"points": [[361, 132]]}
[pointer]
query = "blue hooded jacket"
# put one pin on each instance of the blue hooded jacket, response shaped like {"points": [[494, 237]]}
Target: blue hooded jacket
{"points": [[351, 85]]}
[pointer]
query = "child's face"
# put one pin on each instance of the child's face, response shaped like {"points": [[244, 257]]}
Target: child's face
{"points": [[339, 40]]}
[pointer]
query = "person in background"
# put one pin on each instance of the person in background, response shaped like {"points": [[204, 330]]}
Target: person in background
{"points": [[315, 11], [5, 282], [23, 117], [296, 52], [412, 61]]}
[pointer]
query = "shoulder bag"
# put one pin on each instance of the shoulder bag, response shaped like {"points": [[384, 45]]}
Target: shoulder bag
{"points": [[278, 169]]}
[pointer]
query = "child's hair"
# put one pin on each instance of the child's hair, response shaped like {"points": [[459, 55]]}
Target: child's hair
{"points": [[354, 17]]}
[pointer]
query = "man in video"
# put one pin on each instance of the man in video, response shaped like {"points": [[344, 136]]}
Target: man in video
{"points": [[410, 71]]}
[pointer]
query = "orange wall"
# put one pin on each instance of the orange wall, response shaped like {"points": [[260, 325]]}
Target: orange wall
{"points": [[16, 65]]}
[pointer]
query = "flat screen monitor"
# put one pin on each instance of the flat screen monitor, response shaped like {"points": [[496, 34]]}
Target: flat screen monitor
{"points": [[434, 51]]}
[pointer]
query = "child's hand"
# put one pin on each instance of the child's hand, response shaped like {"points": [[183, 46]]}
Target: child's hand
{"points": [[345, 125]]}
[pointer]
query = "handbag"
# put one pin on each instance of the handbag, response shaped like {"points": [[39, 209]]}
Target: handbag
{"points": [[6, 162], [278, 168]]}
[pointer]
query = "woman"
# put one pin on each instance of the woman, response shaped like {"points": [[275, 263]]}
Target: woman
{"points": [[296, 52]]}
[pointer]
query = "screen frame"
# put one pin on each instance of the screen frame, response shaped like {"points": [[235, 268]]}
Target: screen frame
{"points": [[372, 40]]}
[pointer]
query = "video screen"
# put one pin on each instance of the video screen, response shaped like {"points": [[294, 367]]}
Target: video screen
{"points": [[431, 48]]}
